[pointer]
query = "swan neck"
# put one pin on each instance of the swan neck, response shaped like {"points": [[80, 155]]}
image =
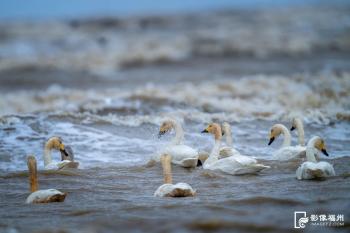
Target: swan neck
{"points": [[228, 135], [300, 128], [47, 155], [179, 133], [310, 151], [287, 137], [33, 176], [166, 164], [216, 149]]}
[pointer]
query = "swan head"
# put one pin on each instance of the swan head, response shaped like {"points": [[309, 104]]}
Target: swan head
{"points": [[275, 131], [166, 126], [320, 145], [226, 128], [214, 129], [57, 144]]}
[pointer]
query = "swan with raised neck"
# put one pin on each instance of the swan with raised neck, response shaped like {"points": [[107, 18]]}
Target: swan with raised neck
{"points": [[297, 124], [277, 130], [170, 124], [168, 189], [40, 196], [214, 129]]}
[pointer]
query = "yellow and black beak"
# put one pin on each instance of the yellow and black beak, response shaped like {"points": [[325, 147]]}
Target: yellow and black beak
{"points": [[292, 128], [271, 140], [161, 133], [325, 152], [205, 131]]}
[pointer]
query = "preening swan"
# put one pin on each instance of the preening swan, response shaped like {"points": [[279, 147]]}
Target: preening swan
{"points": [[182, 155], [57, 144], [313, 169], [234, 165], [297, 124], [172, 190], [286, 152], [40, 196]]}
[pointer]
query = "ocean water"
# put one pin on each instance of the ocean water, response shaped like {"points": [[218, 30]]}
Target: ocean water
{"points": [[105, 84]]}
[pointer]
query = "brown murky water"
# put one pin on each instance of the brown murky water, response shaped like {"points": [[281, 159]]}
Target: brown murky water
{"points": [[107, 102]]}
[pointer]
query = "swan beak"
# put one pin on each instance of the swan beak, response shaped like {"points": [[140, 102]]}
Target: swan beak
{"points": [[293, 128], [205, 131], [325, 152], [161, 133], [65, 153], [271, 140], [199, 163], [223, 133]]}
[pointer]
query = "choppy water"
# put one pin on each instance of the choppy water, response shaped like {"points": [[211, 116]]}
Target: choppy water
{"points": [[105, 85]]}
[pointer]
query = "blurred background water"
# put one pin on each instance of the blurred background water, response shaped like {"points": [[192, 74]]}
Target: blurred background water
{"points": [[104, 74]]}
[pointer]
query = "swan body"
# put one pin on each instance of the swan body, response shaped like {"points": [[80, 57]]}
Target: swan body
{"points": [[286, 152], [234, 165], [40, 196], [55, 143], [172, 190], [181, 154], [313, 169], [46, 196]]}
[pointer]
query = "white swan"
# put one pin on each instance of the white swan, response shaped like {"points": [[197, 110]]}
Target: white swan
{"points": [[225, 151], [40, 196], [313, 169], [286, 152], [297, 124], [234, 165], [172, 190], [182, 155], [57, 144]]}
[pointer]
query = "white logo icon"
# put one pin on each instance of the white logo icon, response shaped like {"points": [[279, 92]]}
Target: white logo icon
{"points": [[300, 219]]}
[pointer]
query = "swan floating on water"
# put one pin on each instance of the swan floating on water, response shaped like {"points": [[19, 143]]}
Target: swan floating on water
{"points": [[66, 155], [225, 151], [286, 152], [40, 196], [234, 165], [172, 190], [181, 154], [313, 169]]}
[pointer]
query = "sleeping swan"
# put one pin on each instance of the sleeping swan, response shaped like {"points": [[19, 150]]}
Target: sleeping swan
{"points": [[313, 169], [234, 165], [40, 196], [182, 155], [172, 190], [286, 152], [57, 144]]}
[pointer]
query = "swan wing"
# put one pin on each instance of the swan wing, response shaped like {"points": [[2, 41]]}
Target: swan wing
{"points": [[177, 190], [311, 170], [181, 152], [227, 151], [289, 152]]}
